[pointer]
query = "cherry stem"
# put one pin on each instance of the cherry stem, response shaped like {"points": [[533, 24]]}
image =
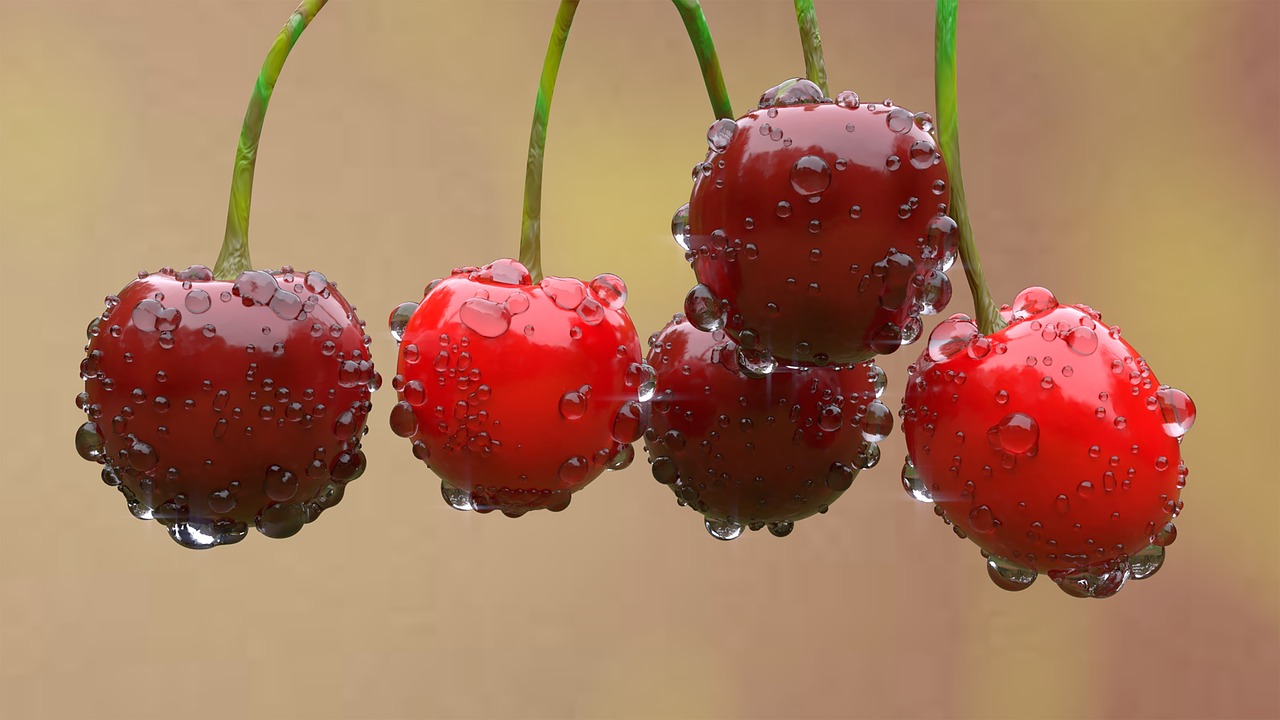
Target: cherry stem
{"points": [[531, 224], [695, 23], [815, 68], [234, 256], [988, 313]]}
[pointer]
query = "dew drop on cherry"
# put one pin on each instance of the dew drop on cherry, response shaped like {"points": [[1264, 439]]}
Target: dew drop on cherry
{"points": [[399, 319], [485, 317], [1016, 433], [810, 175]]}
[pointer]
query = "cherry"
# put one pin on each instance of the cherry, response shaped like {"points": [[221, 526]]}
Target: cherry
{"points": [[519, 394], [757, 452], [1049, 443], [214, 405], [817, 229]]}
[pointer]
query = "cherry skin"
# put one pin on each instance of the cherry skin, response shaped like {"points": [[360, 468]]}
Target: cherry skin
{"points": [[817, 229], [218, 405], [757, 452], [1050, 444], [518, 394]]}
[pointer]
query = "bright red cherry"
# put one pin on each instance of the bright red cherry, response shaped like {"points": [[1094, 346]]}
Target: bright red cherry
{"points": [[217, 405], [818, 229], [1050, 444], [518, 394], [754, 452]]}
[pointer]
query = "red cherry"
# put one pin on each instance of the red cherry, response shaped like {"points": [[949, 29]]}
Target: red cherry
{"points": [[818, 229], [757, 452], [1050, 444], [214, 405], [517, 395]]}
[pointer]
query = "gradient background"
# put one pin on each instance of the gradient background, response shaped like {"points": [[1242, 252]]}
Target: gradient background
{"points": [[1125, 154]]}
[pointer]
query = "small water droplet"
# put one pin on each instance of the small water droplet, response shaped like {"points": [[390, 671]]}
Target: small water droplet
{"points": [[723, 529], [810, 175]]}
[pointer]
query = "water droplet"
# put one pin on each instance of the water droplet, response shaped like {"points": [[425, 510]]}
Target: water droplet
{"points": [[922, 154], [784, 209], [755, 363], [703, 309], [198, 301], [1099, 582], [1146, 562], [899, 121], [720, 134], [1032, 301], [680, 226], [566, 293], [280, 521], [485, 317], [1008, 575], [782, 528], [1062, 504], [981, 521], [867, 457], [722, 529], [855, 212], [573, 405], [913, 484], [643, 378], [810, 175], [258, 286], [933, 296], [1016, 433], [399, 319], [892, 163], [1082, 340], [848, 99], [609, 290], [796, 91], [281, 485], [878, 422], [629, 423], [150, 316], [574, 470], [1177, 411], [89, 442], [951, 336]]}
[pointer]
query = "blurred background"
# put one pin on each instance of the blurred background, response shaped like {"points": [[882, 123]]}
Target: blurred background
{"points": [[1124, 154]]}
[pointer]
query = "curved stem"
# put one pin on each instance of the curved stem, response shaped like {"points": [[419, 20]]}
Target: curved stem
{"points": [[531, 224], [234, 256], [988, 313], [695, 23], [815, 68]]}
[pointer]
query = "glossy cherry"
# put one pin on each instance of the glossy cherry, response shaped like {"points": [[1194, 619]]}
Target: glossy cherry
{"points": [[818, 228], [754, 452], [519, 394], [218, 405], [1050, 444]]}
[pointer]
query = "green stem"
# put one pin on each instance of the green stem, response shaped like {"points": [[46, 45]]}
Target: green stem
{"points": [[234, 257], [814, 67], [695, 23], [531, 223], [988, 313]]}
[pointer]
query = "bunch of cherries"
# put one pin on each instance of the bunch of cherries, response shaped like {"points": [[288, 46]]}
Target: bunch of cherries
{"points": [[820, 232]]}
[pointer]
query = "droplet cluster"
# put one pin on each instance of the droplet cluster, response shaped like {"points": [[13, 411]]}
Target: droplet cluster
{"points": [[519, 394], [215, 405], [818, 229], [1049, 443], [757, 452]]}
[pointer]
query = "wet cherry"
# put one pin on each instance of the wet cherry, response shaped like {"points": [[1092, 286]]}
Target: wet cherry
{"points": [[757, 452], [214, 406], [1049, 443], [818, 228], [519, 394]]}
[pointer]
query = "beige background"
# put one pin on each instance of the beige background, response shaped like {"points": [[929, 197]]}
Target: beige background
{"points": [[1124, 154]]}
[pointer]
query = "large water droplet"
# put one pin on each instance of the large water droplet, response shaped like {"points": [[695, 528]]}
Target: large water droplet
{"points": [[922, 154], [399, 319], [1102, 582], [609, 290], [913, 484], [720, 134], [756, 363], [193, 536], [981, 520], [197, 301], [457, 499], [1177, 411], [485, 317], [951, 337], [574, 470], [150, 316], [722, 529], [89, 442], [573, 405], [281, 521], [796, 91], [1146, 562], [934, 293], [281, 485], [782, 528], [680, 226], [899, 121], [1033, 301], [810, 175], [878, 422], [1016, 433], [1008, 575], [867, 457], [703, 309], [629, 423], [403, 422], [256, 285]]}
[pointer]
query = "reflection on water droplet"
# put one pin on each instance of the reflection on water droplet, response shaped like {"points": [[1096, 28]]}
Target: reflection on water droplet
{"points": [[1177, 411], [457, 499], [1146, 562], [722, 529], [1008, 575], [913, 484], [810, 175], [703, 309], [485, 317], [1016, 433], [680, 226], [399, 319], [720, 134]]}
